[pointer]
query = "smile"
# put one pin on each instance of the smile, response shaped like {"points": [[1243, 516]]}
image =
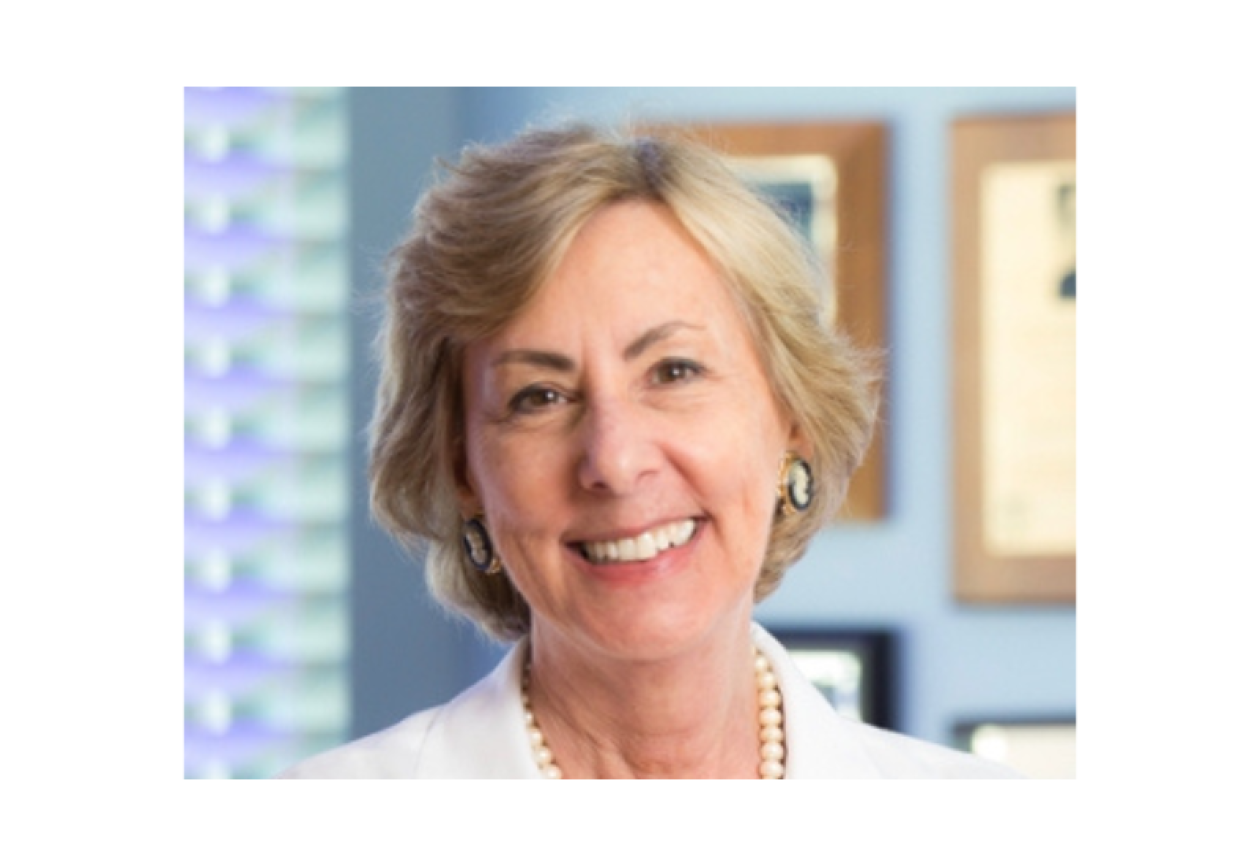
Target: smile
{"points": [[641, 547]]}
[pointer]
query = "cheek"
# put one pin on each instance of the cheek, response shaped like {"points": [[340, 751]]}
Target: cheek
{"points": [[754, 481], [519, 491], [757, 448], [739, 477]]}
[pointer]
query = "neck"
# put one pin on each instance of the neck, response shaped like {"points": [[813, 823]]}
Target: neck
{"points": [[690, 715]]}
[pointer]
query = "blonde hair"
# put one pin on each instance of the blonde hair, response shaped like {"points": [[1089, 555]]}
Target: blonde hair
{"points": [[490, 233]]}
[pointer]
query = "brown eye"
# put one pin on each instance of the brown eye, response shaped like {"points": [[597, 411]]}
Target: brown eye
{"points": [[536, 399], [673, 370]]}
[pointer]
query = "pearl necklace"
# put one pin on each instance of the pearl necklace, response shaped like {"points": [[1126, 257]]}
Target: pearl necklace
{"points": [[770, 718]]}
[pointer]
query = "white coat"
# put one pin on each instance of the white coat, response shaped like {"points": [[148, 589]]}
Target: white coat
{"points": [[481, 735]]}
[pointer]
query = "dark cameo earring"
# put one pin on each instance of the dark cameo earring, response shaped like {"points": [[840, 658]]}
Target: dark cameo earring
{"points": [[479, 547], [796, 484]]}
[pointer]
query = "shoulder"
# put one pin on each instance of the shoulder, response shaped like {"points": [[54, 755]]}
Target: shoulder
{"points": [[393, 753], [480, 734], [825, 745]]}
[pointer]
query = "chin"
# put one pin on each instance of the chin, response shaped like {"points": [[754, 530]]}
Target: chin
{"points": [[660, 632]]}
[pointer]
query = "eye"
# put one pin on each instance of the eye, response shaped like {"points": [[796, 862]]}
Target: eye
{"points": [[535, 399], [673, 370]]}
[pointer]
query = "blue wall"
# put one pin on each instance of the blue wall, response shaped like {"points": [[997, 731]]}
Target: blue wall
{"points": [[956, 662]]}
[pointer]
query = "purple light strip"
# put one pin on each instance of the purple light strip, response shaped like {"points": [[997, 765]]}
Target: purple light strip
{"points": [[230, 106], [233, 535], [233, 391], [237, 606], [241, 743], [235, 320], [231, 249], [232, 463], [234, 677], [236, 175]]}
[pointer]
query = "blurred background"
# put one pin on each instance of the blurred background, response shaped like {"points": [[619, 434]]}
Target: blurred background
{"points": [[304, 624]]}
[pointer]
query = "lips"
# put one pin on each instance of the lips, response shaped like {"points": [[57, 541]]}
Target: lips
{"points": [[642, 547]]}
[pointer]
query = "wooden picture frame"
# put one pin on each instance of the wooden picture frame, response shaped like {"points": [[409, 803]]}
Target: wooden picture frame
{"points": [[1014, 188], [852, 668], [852, 214]]}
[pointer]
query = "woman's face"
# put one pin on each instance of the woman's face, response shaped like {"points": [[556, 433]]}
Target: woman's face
{"points": [[624, 443]]}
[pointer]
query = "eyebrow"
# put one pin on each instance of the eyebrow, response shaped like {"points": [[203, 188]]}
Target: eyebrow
{"points": [[655, 335], [565, 364], [536, 358]]}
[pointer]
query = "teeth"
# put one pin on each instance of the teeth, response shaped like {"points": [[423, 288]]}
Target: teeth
{"points": [[644, 547]]}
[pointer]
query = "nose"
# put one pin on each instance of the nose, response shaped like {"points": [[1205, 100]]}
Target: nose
{"points": [[618, 447]]}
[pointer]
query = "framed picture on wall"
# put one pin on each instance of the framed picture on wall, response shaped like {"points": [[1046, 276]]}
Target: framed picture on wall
{"points": [[828, 178], [1038, 748], [1015, 359], [853, 669]]}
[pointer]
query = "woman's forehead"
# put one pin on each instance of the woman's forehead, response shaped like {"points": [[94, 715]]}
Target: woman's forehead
{"points": [[632, 267]]}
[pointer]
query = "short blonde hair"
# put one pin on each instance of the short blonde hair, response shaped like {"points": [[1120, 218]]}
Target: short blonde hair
{"points": [[484, 239]]}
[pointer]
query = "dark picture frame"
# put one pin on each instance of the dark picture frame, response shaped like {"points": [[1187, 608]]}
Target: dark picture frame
{"points": [[1013, 398], [852, 668], [844, 218]]}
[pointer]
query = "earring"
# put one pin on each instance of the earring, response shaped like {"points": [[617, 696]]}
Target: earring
{"points": [[479, 548], [796, 484]]}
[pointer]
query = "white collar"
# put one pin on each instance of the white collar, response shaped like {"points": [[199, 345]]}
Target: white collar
{"points": [[481, 733]]}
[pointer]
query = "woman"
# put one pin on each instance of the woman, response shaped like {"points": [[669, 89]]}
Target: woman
{"points": [[611, 411]]}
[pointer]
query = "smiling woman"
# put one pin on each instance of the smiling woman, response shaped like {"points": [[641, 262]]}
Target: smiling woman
{"points": [[611, 411], [634, 438]]}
